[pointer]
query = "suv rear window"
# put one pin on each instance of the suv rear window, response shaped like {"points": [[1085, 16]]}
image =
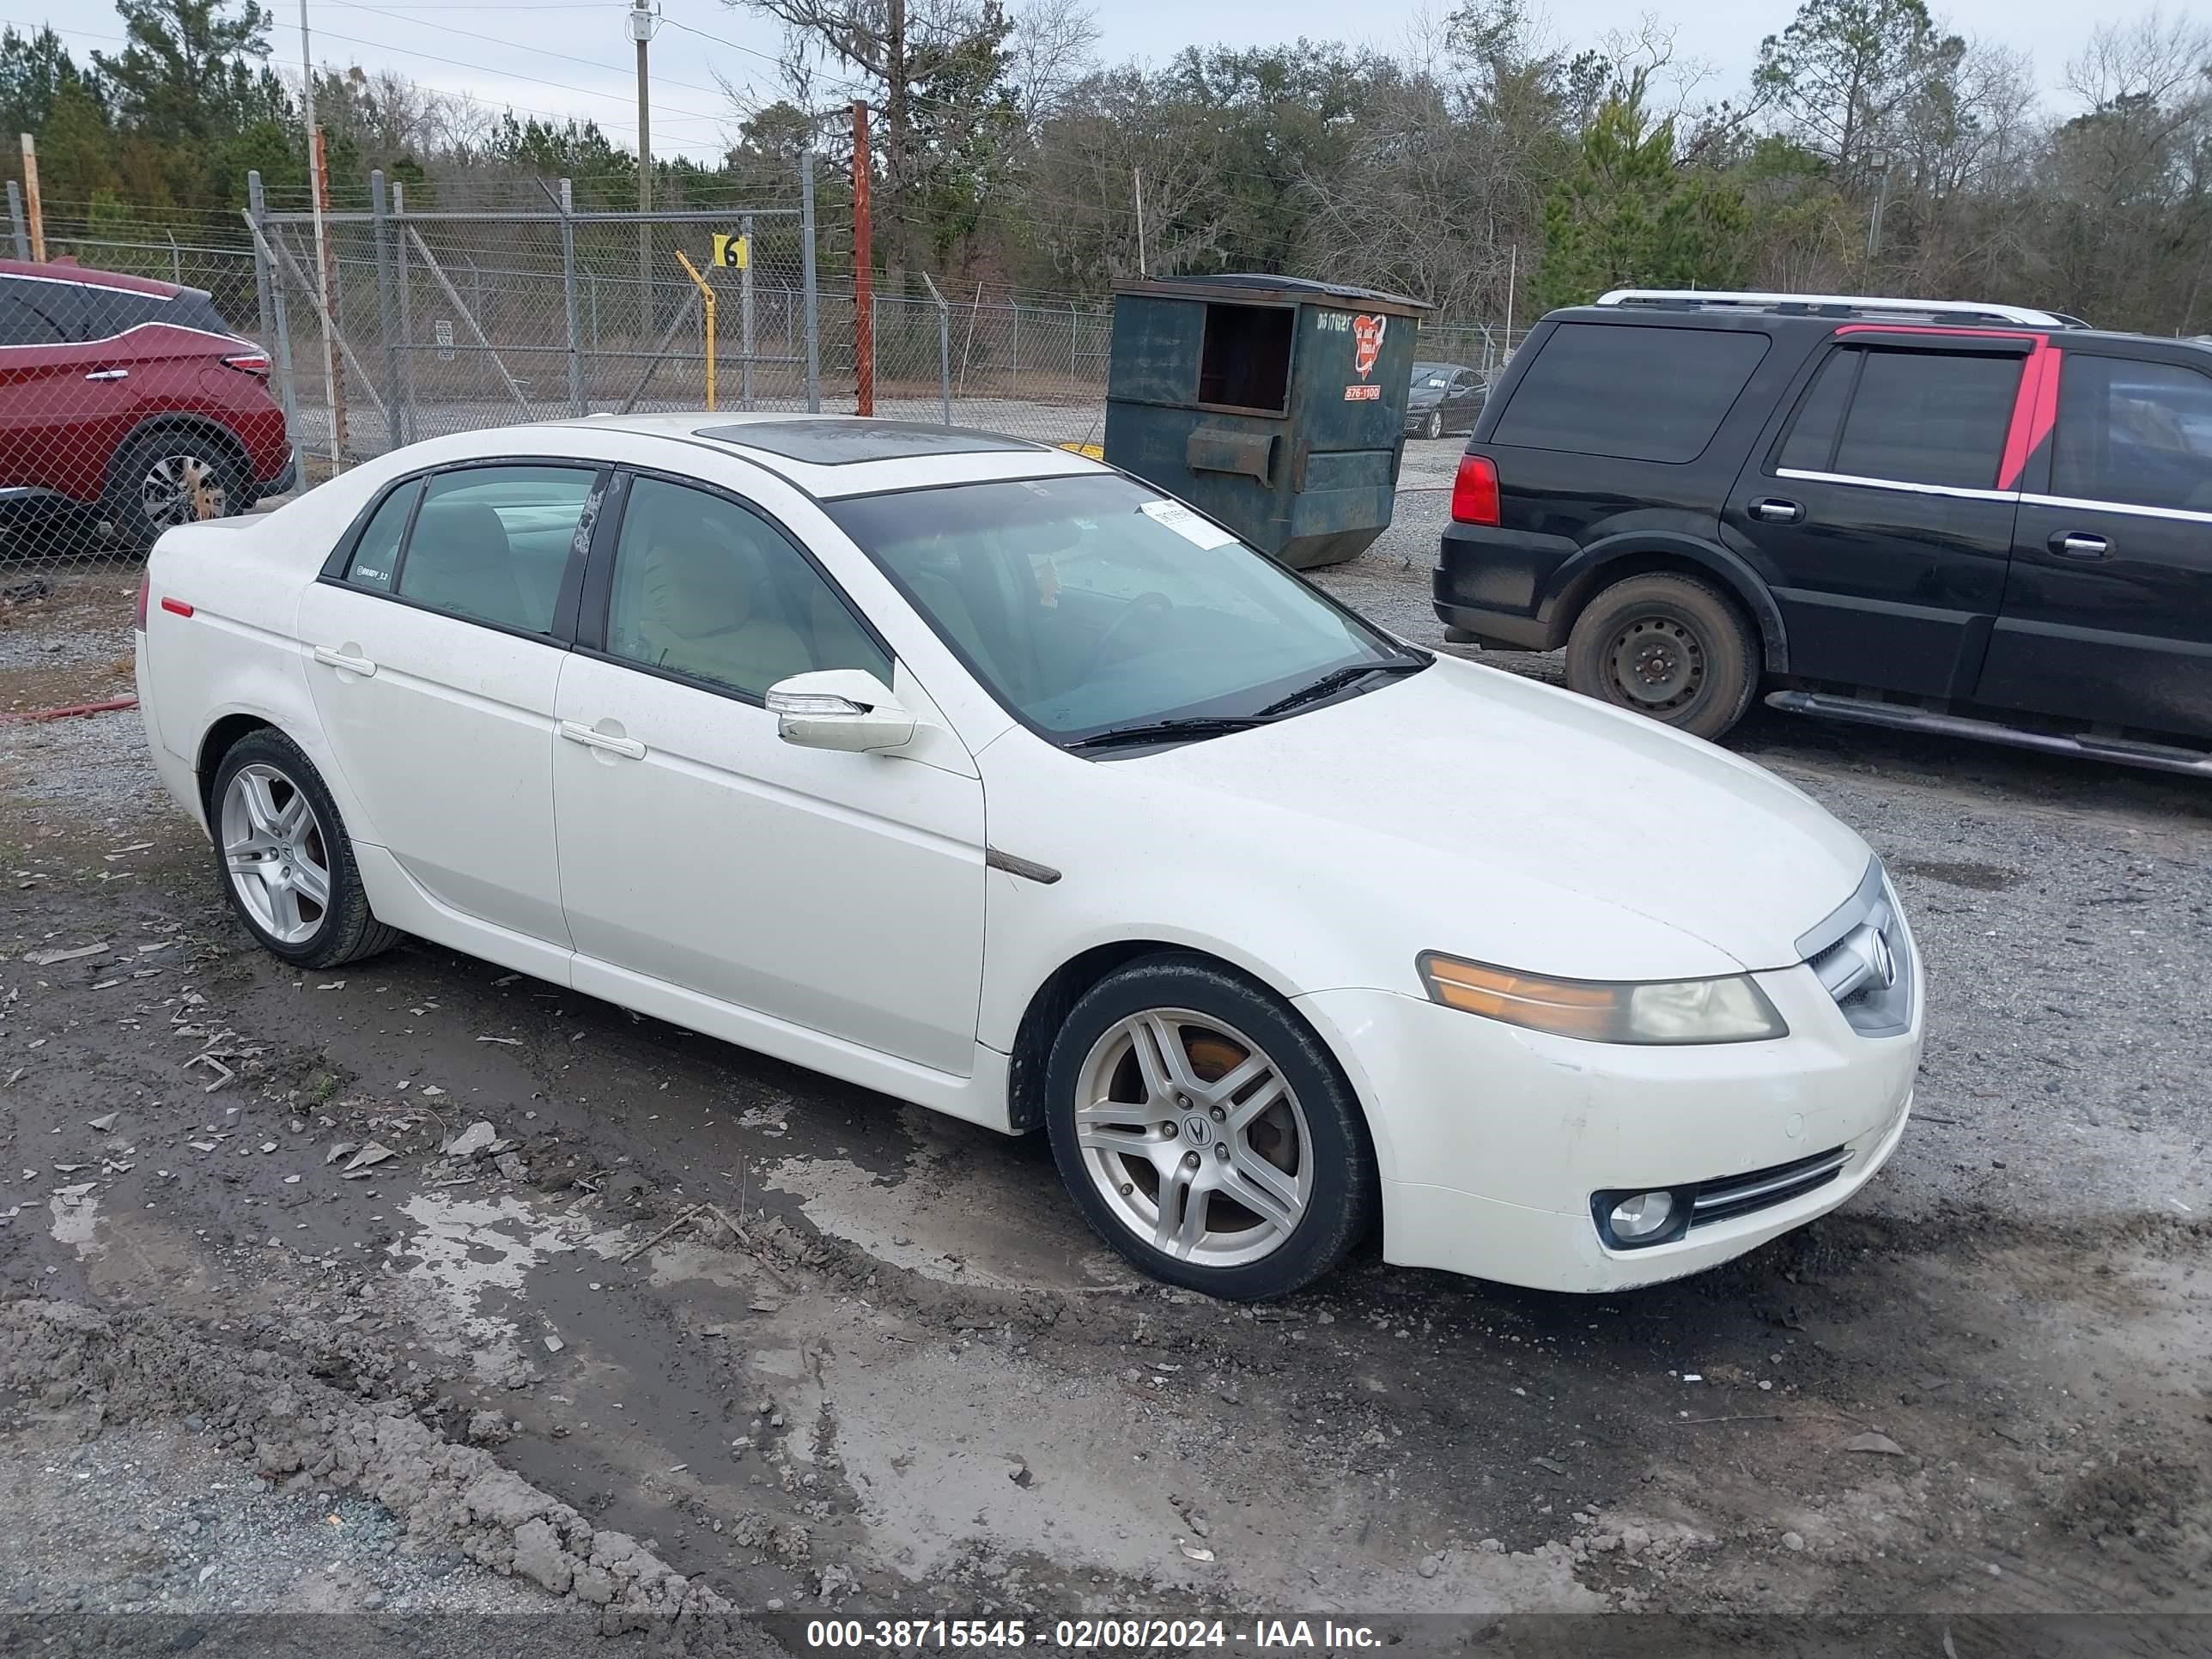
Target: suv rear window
{"points": [[1636, 392]]}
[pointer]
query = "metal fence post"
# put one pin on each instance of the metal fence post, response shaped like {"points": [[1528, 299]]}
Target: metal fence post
{"points": [[404, 410], [15, 218], [568, 297], [745, 313], [260, 260], [944, 348], [1014, 373], [280, 326], [387, 309], [813, 293]]}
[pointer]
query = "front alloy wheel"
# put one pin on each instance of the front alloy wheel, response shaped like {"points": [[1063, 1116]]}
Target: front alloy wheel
{"points": [[1434, 426], [1194, 1139], [1206, 1131]]}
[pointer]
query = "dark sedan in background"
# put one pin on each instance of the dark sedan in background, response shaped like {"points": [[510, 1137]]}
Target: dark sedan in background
{"points": [[1445, 397]]}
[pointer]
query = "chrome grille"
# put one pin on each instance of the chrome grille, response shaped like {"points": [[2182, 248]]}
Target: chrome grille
{"points": [[1863, 956], [1759, 1189]]}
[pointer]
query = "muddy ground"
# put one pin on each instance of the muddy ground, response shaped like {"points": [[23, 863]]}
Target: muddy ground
{"points": [[811, 1349]]}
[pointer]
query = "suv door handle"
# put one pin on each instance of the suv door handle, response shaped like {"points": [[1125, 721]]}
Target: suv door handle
{"points": [[109, 374], [1773, 510], [334, 659], [630, 747], [2078, 544]]}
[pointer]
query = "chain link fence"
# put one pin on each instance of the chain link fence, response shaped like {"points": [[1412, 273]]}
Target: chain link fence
{"points": [[444, 321]]}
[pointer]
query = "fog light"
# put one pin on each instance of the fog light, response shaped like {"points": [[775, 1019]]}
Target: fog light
{"points": [[1640, 1215]]}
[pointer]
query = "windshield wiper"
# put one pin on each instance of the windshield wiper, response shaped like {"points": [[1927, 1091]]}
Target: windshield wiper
{"points": [[1337, 679], [1170, 730]]}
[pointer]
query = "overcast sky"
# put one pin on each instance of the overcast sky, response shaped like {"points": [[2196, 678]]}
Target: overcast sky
{"points": [[578, 57]]}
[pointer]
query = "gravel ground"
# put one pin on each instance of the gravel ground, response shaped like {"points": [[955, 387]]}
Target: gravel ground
{"points": [[902, 1376]]}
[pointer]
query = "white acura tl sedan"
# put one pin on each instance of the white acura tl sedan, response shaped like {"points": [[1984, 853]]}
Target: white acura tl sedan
{"points": [[984, 776]]}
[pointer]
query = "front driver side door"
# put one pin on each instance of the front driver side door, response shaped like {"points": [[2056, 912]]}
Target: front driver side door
{"points": [[839, 893]]}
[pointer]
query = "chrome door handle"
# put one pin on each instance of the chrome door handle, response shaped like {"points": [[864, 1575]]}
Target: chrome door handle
{"points": [[332, 658], [2075, 545], [109, 374], [630, 747], [1773, 510]]}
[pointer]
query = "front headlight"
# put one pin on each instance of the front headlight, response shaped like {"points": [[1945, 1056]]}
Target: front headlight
{"points": [[1729, 1010]]}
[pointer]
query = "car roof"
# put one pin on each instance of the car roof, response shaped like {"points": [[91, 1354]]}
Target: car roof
{"points": [[838, 455], [61, 271], [1772, 322]]}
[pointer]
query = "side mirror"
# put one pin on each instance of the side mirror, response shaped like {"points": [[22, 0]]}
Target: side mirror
{"points": [[847, 709]]}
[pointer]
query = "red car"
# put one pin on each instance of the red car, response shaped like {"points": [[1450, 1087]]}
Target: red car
{"points": [[132, 398]]}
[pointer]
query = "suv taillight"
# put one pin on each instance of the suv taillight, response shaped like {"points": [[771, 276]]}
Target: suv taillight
{"points": [[249, 362], [145, 591], [1474, 491]]}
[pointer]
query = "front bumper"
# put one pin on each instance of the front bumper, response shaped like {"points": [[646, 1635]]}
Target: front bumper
{"points": [[1491, 1138]]}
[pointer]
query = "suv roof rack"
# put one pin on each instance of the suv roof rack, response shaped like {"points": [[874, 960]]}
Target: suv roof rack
{"points": [[1840, 304]]}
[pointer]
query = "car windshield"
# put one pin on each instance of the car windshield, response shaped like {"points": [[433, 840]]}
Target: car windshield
{"points": [[1092, 603], [1430, 374]]}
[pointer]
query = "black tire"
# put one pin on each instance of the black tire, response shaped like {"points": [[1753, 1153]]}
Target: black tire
{"points": [[1334, 1155], [1667, 646], [208, 482], [1434, 426], [346, 930]]}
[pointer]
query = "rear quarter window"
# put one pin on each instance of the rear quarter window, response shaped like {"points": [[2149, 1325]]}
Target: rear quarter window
{"points": [[1631, 391]]}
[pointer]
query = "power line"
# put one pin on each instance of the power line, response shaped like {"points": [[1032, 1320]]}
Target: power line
{"points": [[542, 52]]}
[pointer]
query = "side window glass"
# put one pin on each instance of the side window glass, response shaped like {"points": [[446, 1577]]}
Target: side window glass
{"points": [[376, 555], [2135, 434], [491, 542], [23, 320], [1926, 417], [703, 588], [1811, 445]]}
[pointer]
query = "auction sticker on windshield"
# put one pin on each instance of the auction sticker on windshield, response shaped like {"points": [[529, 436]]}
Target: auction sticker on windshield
{"points": [[1187, 524]]}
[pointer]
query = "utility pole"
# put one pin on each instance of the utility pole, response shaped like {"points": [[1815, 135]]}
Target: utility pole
{"points": [[864, 255], [640, 30], [31, 198], [1137, 180], [319, 197]]}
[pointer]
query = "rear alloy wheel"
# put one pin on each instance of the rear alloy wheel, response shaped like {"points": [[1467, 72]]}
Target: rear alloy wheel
{"points": [[1668, 646], [1205, 1132], [164, 480], [284, 858]]}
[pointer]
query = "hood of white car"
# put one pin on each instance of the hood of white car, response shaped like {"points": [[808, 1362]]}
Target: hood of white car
{"points": [[1485, 787]]}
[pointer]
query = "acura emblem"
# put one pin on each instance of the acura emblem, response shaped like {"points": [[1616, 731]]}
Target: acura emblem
{"points": [[1872, 949]]}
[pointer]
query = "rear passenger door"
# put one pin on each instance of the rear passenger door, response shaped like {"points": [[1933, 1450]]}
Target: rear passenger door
{"points": [[1876, 509], [2108, 614], [436, 642]]}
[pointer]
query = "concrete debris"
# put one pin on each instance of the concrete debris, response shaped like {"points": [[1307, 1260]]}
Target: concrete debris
{"points": [[1873, 1442], [343, 1149], [48, 958], [511, 1166], [488, 1428], [369, 1155], [301, 1431], [471, 1142], [105, 1121], [1193, 1550]]}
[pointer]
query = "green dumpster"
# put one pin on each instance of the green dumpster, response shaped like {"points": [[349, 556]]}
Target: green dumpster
{"points": [[1275, 404]]}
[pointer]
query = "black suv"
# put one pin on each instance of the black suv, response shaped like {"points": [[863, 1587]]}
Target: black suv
{"points": [[1979, 520]]}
